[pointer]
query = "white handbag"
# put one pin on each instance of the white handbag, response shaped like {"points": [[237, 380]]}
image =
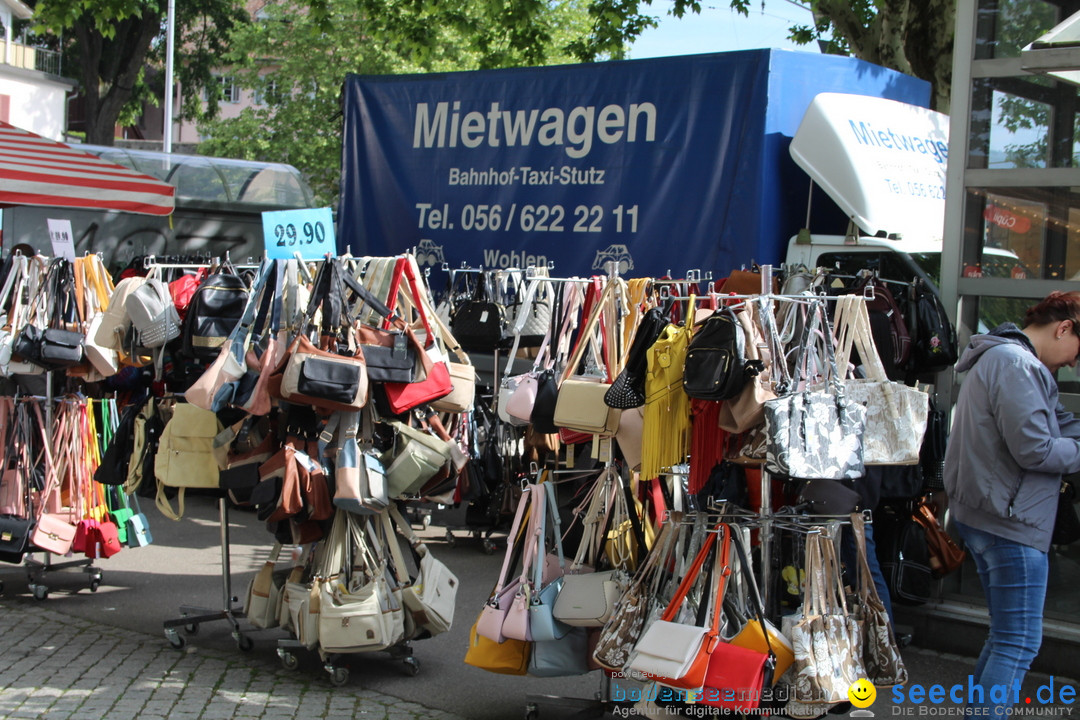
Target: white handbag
{"points": [[895, 413], [432, 596], [264, 594]]}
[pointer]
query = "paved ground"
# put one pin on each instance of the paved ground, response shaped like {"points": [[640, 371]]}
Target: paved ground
{"points": [[103, 655], [57, 666]]}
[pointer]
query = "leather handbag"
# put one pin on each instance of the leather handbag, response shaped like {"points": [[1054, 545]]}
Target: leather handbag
{"points": [[747, 410], [479, 323], [14, 537], [360, 612], [561, 657], [432, 381], [324, 379], [506, 658], [815, 433], [677, 654], [945, 555], [493, 617], [55, 527], [138, 528], [580, 404], [415, 457], [462, 376], [628, 389], [828, 497], [359, 478]]}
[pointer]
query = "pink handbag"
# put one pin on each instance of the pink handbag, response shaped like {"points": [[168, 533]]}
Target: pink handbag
{"points": [[492, 623]]}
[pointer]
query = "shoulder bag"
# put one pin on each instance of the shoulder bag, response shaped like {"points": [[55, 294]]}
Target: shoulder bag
{"points": [[432, 595], [676, 654], [815, 433], [881, 655]]}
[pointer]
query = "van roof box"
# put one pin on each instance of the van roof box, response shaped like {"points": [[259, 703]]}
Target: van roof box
{"points": [[883, 162]]}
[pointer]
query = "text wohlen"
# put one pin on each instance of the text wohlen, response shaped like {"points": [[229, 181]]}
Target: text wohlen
{"points": [[446, 125]]}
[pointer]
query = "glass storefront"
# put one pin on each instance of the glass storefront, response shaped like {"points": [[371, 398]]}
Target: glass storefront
{"points": [[1021, 210]]}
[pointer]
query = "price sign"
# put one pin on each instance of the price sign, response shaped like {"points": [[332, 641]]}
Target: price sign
{"points": [[309, 232], [63, 240]]}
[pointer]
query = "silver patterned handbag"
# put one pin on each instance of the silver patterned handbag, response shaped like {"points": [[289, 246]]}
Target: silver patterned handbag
{"points": [[815, 433]]}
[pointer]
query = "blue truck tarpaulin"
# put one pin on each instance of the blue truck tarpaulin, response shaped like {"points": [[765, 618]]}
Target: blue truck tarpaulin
{"points": [[661, 164]]}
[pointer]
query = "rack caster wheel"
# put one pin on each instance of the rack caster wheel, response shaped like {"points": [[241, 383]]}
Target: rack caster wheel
{"points": [[245, 643], [191, 628], [94, 585], [532, 712], [289, 661], [488, 546], [175, 639], [411, 666], [40, 592], [450, 539], [339, 676]]}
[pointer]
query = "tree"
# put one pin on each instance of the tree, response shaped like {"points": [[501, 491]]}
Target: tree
{"points": [[108, 45], [295, 58]]}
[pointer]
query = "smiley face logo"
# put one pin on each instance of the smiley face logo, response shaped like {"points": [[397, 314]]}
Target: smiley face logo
{"points": [[862, 693]]}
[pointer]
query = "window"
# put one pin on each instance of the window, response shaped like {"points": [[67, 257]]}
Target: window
{"points": [[267, 93], [230, 93]]}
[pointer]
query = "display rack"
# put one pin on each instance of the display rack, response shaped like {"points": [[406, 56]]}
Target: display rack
{"points": [[191, 617], [37, 571]]}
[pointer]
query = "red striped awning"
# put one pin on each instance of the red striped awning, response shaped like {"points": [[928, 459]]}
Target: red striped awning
{"points": [[38, 171]]}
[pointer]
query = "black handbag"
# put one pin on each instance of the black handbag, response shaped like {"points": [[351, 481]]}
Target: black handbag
{"points": [[716, 366], [479, 324], [61, 348], [1066, 523], [628, 389], [547, 395], [14, 537], [828, 497], [27, 343]]}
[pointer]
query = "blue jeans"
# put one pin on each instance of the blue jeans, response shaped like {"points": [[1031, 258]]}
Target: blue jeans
{"points": [[1013, 577]]}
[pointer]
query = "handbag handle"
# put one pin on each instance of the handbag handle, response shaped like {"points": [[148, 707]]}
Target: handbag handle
{"points": [[867, 589], [689, 578], [584, 339], [515, 528]]}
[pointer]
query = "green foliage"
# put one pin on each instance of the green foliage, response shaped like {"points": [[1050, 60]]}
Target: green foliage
{"points": [[296, 58]]}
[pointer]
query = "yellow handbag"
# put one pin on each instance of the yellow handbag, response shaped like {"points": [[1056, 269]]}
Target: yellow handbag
{"points": [[510, 657]]}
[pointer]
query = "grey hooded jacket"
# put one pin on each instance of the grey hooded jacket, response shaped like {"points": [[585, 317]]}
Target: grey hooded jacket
{"points": [[1011, 440]]}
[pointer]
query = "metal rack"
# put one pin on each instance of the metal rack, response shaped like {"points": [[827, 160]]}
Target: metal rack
{"points": [[191, 617]]}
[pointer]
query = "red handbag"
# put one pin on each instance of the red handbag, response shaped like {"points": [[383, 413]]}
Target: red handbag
{"points": [[107, 539], [735, 678], [436, 382]]}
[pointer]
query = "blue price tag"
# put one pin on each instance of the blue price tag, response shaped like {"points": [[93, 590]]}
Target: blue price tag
{"points": [[309, 232]]}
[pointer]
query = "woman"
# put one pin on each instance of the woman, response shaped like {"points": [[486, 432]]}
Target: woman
{"points": [[1011, 442]]}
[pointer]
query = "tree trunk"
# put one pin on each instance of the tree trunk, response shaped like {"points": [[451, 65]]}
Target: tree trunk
{"points": [[112, 65]]}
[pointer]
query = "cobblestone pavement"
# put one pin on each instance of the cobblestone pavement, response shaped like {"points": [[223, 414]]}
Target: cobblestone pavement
{"points": [[55, 666]]}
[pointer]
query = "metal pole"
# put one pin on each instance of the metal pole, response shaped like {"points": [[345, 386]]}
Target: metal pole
{"points": [[168, 132]]}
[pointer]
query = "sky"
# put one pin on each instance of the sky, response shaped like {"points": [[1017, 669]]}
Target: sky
{"points": [[719, 28]]}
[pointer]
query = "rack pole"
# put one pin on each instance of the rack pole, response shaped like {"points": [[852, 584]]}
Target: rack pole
{"points": [[765, 511]]}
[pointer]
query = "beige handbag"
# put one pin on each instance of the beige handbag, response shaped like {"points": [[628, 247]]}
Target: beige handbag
{"points": [[580, 405], [98, 289], [748, 409], [115, 320], [264, 594], [462, 375]]}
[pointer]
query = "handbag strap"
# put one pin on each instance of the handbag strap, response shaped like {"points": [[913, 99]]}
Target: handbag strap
{"points": [[689, 578], [389, 538], [553, 515], [867, 589], [515, 528], [756, 606], [585, 338]]}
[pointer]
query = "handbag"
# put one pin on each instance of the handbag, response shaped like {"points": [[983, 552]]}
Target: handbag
{"points": [[138, 528], [431, 597], [621, 632], [747, 410], [827, 639], [815, 433], [945, 555], [479, 323], [881, 655], [415, 457], [360, 611], [185, 455], [828, 497], [532, 317], [628, 389], [677, 654], [462, 377], [896, 414], [492, 623], [561, 657], [580, 403], [54, 530], [506, 658], [263, 594]]}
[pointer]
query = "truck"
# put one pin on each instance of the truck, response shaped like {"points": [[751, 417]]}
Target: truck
{"points": [[657, 167]]}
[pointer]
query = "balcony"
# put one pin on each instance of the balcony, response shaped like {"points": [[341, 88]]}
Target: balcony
{"points": [[30, 58]]}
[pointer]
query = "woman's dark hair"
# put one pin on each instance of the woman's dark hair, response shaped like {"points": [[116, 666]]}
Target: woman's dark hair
{"points": [[1055, 307]]}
